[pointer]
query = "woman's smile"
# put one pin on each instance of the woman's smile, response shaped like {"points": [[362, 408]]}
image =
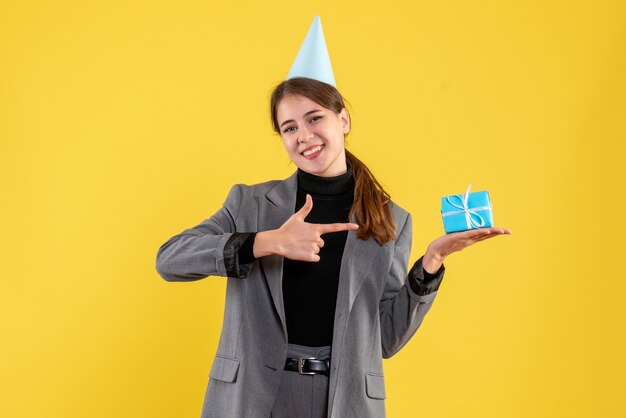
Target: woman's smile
{"points": [[313, 151]]}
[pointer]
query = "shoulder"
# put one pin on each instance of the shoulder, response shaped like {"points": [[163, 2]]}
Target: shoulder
{"points": [[400, 215], [256, 188], [242, 191], [402, 218]]}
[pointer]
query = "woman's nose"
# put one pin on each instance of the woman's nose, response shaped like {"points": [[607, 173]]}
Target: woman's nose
{"points": [[305, 134]]}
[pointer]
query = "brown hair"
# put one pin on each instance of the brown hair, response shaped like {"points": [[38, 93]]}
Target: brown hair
{"points": [[370, 199]]}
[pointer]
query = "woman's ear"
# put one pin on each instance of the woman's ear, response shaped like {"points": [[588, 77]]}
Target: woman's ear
{"points": [[344, 117]]}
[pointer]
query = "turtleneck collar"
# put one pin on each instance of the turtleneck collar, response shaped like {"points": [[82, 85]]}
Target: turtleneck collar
{"points": [[340, 184]]}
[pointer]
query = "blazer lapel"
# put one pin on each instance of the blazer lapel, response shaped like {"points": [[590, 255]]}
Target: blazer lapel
{"points": [[358, 257], [278, 206]]}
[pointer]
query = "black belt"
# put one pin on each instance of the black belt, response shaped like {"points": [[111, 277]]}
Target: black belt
{"points": [[308, 365]]}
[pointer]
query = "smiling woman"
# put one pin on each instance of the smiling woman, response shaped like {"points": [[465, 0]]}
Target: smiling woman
{"points": [[308, 320]]}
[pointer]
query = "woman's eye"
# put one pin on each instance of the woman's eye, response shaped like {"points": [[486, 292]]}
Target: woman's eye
{"points": [[314, 118]]}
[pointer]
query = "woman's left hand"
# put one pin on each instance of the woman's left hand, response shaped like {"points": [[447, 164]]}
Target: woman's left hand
{"points": [[443, 246]]}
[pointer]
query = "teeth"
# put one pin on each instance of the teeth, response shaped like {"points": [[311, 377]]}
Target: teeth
{"points": [[312, 150]]}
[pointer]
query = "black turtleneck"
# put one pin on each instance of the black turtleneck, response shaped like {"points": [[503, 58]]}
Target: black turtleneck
{"points": [[310, 288]]}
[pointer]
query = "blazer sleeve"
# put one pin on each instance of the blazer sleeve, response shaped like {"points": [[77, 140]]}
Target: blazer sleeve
{"points": [[407, 297], [208, 249]]}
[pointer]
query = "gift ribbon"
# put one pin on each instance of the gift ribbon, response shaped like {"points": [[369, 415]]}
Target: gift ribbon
{"points": [[471, 223]]}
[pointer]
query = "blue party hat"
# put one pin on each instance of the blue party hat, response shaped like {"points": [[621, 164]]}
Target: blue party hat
{"points": [[312, 60]]}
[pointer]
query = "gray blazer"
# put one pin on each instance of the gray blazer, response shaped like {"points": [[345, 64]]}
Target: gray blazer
{"points": [[377, 311]]}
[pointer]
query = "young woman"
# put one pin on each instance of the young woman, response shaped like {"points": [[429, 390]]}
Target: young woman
{"points": [[318, 290]]}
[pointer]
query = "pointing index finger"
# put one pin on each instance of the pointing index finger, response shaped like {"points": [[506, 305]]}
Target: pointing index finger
{"points": [[335, 227]]}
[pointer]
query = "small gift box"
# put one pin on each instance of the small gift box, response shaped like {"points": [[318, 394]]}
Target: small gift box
{"points": [[462, 212]]}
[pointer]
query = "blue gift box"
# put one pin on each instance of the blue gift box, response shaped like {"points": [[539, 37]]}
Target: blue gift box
{"points": [[461, 212]]}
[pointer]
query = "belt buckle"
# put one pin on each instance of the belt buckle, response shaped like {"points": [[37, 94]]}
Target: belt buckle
{"points": [[301, 365]]}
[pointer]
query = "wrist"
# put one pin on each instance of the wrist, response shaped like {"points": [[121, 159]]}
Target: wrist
{"points": [[432, 261], [266, 243]]}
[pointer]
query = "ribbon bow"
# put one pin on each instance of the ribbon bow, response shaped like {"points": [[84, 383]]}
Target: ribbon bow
{"points": [[471, 222]]}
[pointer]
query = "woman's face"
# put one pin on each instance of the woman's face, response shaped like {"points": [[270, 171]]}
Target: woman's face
{"points": [[306, 126]]}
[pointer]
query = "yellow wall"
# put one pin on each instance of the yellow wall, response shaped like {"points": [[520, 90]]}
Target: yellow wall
{"points": [[123, 123]]}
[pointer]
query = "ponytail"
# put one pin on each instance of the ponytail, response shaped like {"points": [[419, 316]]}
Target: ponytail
{"points": [[371, 204]]}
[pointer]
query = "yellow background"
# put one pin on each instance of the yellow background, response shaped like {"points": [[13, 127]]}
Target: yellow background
{"points": [[124, 122]]}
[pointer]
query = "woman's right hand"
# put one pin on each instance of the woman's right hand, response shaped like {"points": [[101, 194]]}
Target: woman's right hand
{"points": [[297, 239]]}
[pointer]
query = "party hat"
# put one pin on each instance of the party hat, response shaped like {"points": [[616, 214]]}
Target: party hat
{"points": [[312, 60]]}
